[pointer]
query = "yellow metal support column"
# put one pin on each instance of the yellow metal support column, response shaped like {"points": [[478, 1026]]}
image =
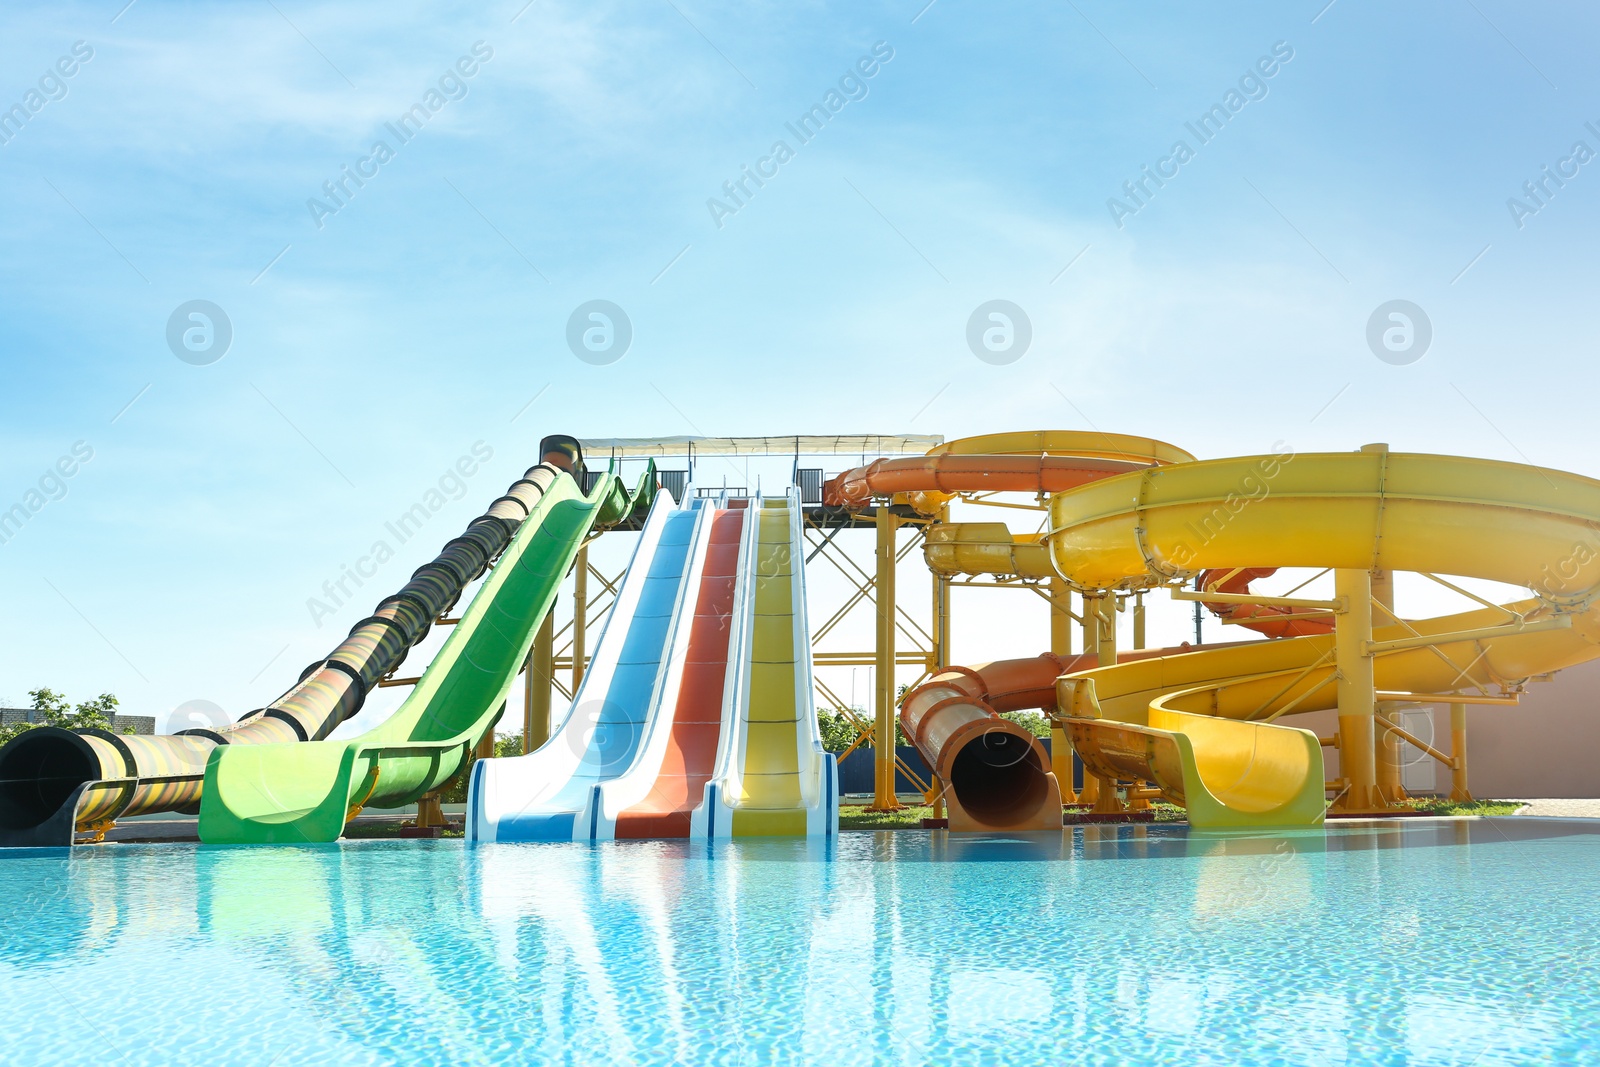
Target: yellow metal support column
{"points": [[1458, 754], [428, 811], [939, 654], [1105, 629], [1061, 645], [537, 675], [1138, 619], [1090, 623], [1090, 793], [580, 617], [883, 794], [1387, 753], [1357, 692], [1100, 638]]}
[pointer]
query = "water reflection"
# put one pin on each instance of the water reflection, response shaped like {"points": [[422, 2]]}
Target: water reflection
{"points": [[1404, 943]]}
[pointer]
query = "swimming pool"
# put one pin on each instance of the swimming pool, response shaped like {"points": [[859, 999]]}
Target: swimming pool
{"points": [[1415, 942]]}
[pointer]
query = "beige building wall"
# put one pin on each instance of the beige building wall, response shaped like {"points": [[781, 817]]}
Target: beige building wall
{"points": [[1547, 746]]}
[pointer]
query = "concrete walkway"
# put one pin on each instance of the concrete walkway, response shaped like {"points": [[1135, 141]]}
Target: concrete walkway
{"points": [[1565, 809]]}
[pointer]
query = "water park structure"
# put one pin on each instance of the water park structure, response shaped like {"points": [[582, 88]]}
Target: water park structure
{"points": [[695, 714]]}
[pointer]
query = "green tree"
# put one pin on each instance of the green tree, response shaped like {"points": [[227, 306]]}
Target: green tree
{"points": [[1033, 721], [839, 729], [455, 791], [57, 710]]}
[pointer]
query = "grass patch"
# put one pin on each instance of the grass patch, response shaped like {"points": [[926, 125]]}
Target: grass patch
{"points": [[1166, 812], [857, 817], [384, 829], [1442, 806]]}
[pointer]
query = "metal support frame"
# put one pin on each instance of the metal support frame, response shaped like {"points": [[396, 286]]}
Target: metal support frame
{"points": [[1401, 734], [1369, 736], [883, 792], [865, 734], [865, 584], [939, 653], [1358, 696], [1061, 619], [572, 657], [1458, 752], [1386, 752], [537, 675], [939, 657], [1251, 598], [485, 746], [929, 645], [429, 814], [1100, 624], [580, 619], [1553, 622]]}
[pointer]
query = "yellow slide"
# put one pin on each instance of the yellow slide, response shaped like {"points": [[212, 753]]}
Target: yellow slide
{"points": [[1199, 723], [773, 777]]}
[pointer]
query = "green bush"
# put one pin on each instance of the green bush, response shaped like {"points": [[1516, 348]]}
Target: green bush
{"points": [[455, 791], [58, 711], [839, 730], [1033, 721]]}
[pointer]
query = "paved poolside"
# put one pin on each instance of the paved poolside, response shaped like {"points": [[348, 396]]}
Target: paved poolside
{"points": [[1578, 808]]}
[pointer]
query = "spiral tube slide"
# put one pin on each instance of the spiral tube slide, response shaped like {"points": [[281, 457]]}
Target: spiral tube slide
{"points": [[1359, 511], [54, 782], [553, 794], [996, 773], [307, 792]]}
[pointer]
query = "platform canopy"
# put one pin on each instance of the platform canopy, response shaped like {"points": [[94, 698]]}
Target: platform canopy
{"points": [[868, 444]]}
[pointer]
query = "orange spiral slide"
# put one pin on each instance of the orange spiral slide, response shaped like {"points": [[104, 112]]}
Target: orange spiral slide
{"points": [[1039, 461], [1269, 619], [996, 772]]}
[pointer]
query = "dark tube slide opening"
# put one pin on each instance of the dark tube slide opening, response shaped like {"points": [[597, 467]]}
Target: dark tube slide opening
{"points": [[38, 772], [996, 774], [560, 450]]}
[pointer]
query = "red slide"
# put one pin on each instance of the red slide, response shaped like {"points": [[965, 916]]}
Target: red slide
{"points": [[691, 753]]}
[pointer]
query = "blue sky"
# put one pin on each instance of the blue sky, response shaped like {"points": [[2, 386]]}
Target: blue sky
{"points": [[1228, 313]]}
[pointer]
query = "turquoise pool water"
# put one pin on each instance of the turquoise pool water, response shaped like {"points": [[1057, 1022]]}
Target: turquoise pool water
{"points": [[1405, 943]]}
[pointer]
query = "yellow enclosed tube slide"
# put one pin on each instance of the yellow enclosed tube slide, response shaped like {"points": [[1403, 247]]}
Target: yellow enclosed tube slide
{"points": [[985, 548]]}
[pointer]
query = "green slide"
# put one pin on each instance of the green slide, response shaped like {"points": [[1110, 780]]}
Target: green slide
{"points": [[299, 792]]}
